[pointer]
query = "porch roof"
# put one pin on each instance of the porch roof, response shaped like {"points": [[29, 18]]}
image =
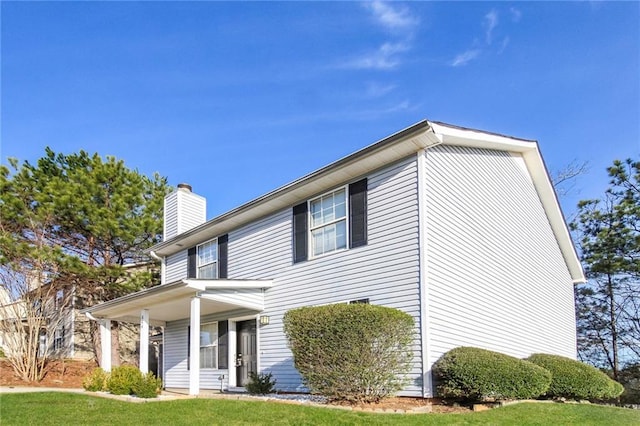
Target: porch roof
{"points": [[170, 302]]}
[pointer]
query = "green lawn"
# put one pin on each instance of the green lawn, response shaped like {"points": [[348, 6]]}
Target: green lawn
{"points": [[71, 409]]}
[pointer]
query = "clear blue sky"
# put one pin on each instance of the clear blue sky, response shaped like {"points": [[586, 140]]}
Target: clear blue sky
{"points": [[240, 98]]}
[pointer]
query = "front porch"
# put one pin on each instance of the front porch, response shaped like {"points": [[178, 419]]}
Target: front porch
{"points": [[207, 349]]}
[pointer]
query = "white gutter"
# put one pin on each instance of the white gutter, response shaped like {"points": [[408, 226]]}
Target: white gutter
{"points": [[91, 317], [162, 264]]}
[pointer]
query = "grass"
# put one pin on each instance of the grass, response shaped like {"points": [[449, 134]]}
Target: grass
{"points": [[56, 408]]}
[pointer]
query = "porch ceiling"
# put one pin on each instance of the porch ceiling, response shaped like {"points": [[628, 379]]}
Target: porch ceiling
{"points": [[171, 302]]}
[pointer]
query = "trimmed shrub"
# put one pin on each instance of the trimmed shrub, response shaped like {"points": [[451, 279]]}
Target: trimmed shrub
{"points": [[478, 374], [122, 379], [615, 389], [96, 380], [260, 384], [351, 352], [576, 380], [148, 386]]}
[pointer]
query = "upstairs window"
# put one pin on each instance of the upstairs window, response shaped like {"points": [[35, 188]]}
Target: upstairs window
{"points": [[208, 260], [333, 221], [328, 226]]}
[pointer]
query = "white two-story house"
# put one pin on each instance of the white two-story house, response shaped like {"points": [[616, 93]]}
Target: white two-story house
{"points": [[460, 228]]}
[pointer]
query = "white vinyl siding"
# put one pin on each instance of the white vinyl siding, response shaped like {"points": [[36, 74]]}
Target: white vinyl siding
{"points": [[495, 274], [176, 267], [386, 270], [262, 249], [184, 210]]}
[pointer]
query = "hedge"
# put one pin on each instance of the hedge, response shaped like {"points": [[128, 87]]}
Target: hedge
{"points": [[122, 379], [148, 386], [96, 380], [478, 374], [576, 380], [351, 352]]}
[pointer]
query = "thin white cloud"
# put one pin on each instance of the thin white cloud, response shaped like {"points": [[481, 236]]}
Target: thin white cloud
{"points": [[490, 22], [504, 44], [400, 22], [463, 58], [385, 58], [516, 14], [377, 90], [393, 18]]}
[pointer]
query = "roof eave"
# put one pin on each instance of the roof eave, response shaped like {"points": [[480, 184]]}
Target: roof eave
{"points": [[392, 148]]}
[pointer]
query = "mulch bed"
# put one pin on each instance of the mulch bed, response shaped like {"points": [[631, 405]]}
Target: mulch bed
{"points": [[62, 374]]}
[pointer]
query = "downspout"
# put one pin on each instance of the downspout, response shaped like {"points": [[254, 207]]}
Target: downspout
{"points": [[162, 264], [427, 380]]}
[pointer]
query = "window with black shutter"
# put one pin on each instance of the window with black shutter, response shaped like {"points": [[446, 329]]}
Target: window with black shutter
{"points": [[209, 260], [333, 221]]}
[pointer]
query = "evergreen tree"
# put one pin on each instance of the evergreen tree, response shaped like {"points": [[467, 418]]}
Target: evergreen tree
{"points": [[608, 305], [71, 223]]}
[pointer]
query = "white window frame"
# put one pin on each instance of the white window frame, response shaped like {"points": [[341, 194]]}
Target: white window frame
{"points": [[216, 261], [311, 228], [214, 344], [58, 338]]}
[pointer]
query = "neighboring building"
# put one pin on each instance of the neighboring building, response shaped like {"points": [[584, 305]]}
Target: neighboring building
{"points": [[457, 227], [65, 329]]}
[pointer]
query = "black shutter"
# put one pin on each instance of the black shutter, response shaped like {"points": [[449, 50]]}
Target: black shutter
{"points": [[223, 254], [188, 347], [223, 344], [300, 232], [192, 263], [358, 213]]}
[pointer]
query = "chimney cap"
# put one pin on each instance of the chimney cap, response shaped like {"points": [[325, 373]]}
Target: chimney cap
{"points": [[185, 187]]}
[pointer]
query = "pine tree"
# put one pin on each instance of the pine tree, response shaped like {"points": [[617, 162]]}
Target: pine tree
{"points": [[70, 223], [608, 305]]}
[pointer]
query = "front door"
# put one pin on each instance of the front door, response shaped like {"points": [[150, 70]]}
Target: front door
{"points": [[247, 356]]}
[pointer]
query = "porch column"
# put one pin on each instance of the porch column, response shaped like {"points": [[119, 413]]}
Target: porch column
{"points": [[194, 347], [105, 344], [144, 341]]}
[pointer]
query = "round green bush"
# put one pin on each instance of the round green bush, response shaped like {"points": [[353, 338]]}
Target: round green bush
{"points": [[351, 352], [148, 386], [122, 379], [576, 380], [478, 374], [96, 380]]}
